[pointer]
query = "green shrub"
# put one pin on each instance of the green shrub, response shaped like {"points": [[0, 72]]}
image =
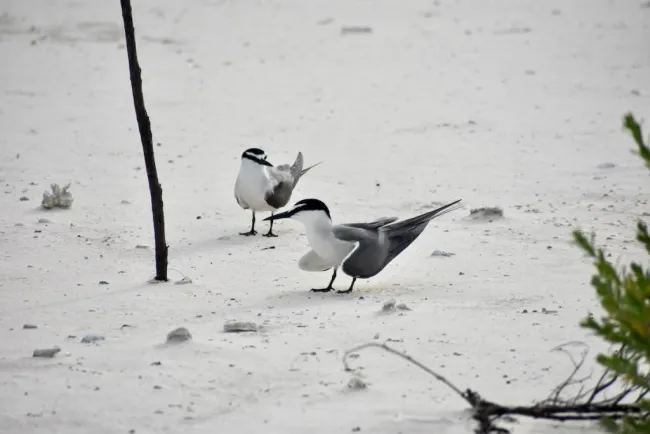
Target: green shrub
{"points": [[624, 294]]}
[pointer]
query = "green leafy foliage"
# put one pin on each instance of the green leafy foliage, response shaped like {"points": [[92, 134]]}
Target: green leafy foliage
{"points": [[624, 295]]}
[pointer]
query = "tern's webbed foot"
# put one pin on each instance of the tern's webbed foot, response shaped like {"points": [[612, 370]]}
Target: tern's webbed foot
{"points": [[249, 233], [344, 291], [270, 235], [322, 289]]}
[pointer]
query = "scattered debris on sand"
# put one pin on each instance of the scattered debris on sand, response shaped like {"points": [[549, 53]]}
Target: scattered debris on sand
{"points": [[543, 311], [59, 198], [29, 326], [391, 306]]}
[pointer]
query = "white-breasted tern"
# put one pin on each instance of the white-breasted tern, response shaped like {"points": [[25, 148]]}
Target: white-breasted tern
{"points": [[361, 250], [262, 187]]}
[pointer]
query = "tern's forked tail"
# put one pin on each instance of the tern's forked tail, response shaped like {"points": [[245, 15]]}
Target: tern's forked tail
{"points": [[402, 234], [297, 171]]}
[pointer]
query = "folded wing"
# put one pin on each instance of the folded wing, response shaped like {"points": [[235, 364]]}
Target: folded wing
{"points": [[312, 262]]}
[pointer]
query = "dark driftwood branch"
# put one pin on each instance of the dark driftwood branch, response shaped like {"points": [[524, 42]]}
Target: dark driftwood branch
{"points": [[144, 126], [487, 413]]}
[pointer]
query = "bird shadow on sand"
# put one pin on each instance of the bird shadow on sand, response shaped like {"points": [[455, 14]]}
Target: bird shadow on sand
{"points": [[303, 295], [225, 241]]}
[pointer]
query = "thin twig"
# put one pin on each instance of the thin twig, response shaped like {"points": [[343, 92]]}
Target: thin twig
{"points": [[621, 396], [600, 386], [641, 396], [407, 358], [554, 396]]}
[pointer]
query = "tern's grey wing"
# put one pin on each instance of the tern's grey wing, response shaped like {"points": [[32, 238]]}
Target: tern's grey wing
{"points": [[369, 254], [377, 248], [373, 225], [281, 187]]}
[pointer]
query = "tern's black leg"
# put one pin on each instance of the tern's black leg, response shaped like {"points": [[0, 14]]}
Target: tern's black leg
{"points": [[329, 287], [252, 231], [354, 279], [270, 232]]}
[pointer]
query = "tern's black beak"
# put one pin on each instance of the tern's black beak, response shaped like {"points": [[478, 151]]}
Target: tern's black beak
{"points": [[282, 215]]}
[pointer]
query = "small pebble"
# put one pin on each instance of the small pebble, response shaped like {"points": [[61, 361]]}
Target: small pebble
{"points": [[88, 339], [103, 282], [356, 383], [24, 198], [355, 29], [46, 352], [403, 306], [180, 334], [29, 326], [442, 254], [389, 305], [486, 213], [239, 326], [44, 220]]}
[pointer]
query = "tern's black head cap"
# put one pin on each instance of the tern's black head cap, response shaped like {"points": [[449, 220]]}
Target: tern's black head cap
{"points": [[254, 152], [311, 205], [257, 155]]}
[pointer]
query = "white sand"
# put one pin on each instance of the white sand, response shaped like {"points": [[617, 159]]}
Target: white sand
{"points": [[510, 103]]}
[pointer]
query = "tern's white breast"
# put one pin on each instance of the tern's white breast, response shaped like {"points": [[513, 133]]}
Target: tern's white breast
{"points": [[327, 246], [252, 185]]}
